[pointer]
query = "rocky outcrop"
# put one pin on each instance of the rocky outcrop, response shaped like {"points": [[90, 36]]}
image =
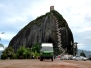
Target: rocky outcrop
{"points": [[44, 29]]}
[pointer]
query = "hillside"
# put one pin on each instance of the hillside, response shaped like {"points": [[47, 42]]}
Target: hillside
{"points": [[44, 30]]}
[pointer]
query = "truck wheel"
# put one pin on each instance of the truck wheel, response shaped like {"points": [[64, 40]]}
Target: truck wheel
{"points": [[52, 58], [41, 59]]}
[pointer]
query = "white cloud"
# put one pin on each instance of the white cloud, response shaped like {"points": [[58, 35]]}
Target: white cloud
{"points": [[84, 46], [84, 29], [1, 48], [7, 36], [16, 14], [16, 19], [81, 45]]}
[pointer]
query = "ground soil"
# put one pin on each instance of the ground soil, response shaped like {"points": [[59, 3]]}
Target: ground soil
{"points": [[35, 63]]}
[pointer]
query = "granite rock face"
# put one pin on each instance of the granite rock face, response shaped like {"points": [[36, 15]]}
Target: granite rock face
{"points": [[43, 30]]}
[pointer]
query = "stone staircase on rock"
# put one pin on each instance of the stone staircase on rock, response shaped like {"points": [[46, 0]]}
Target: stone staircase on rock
{"points": [[59, 35]]}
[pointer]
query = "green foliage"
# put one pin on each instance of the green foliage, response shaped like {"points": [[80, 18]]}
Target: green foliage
{"points": [[14, 56], [36, 50], [48, 13], [23, 52], [59, 17], [7, 53], [82, 54], [55, 13], [40, 17], [4, 56], [36, 47], [56, 51], [35, 54]]}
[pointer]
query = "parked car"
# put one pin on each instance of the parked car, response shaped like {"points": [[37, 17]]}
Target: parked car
{"points": [[79, 58], [66, 57]]}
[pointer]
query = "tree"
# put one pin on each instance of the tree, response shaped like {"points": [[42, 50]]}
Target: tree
{"points": [[57, 51], [35, 50], [27, 53], [35, 54], [7, 53], [82, 54], [23, 52]]}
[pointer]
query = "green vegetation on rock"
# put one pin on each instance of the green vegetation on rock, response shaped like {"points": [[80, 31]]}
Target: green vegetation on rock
{"points": [[60, 18]]}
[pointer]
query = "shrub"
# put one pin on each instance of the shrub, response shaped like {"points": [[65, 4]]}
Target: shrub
{"points": [[7, 53], [23, 52], [4, 56]]}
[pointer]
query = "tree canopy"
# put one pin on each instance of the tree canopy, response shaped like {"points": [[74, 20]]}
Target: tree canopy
{"points": [[82, 54], [22, 52]]}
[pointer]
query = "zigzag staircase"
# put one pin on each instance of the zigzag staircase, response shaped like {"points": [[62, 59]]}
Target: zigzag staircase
{"points": [[59, 35]]}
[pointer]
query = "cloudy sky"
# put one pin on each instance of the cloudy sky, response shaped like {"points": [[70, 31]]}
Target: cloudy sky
{"points": [[15, 14]]}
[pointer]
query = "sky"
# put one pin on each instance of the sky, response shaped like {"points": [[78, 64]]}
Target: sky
{"points": [[15, 14]]}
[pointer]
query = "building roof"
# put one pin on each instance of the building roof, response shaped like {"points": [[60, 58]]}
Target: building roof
{"points": [[47, 44]]}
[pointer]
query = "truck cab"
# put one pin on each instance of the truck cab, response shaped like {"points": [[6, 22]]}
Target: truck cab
{"points": [[46, 51]]}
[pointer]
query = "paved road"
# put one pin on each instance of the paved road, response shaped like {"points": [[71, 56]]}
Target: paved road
{"points": [[44, 64]]}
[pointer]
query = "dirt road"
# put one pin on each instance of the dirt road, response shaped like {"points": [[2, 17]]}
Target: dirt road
{"points": [[44, 64], [84, 63]]}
